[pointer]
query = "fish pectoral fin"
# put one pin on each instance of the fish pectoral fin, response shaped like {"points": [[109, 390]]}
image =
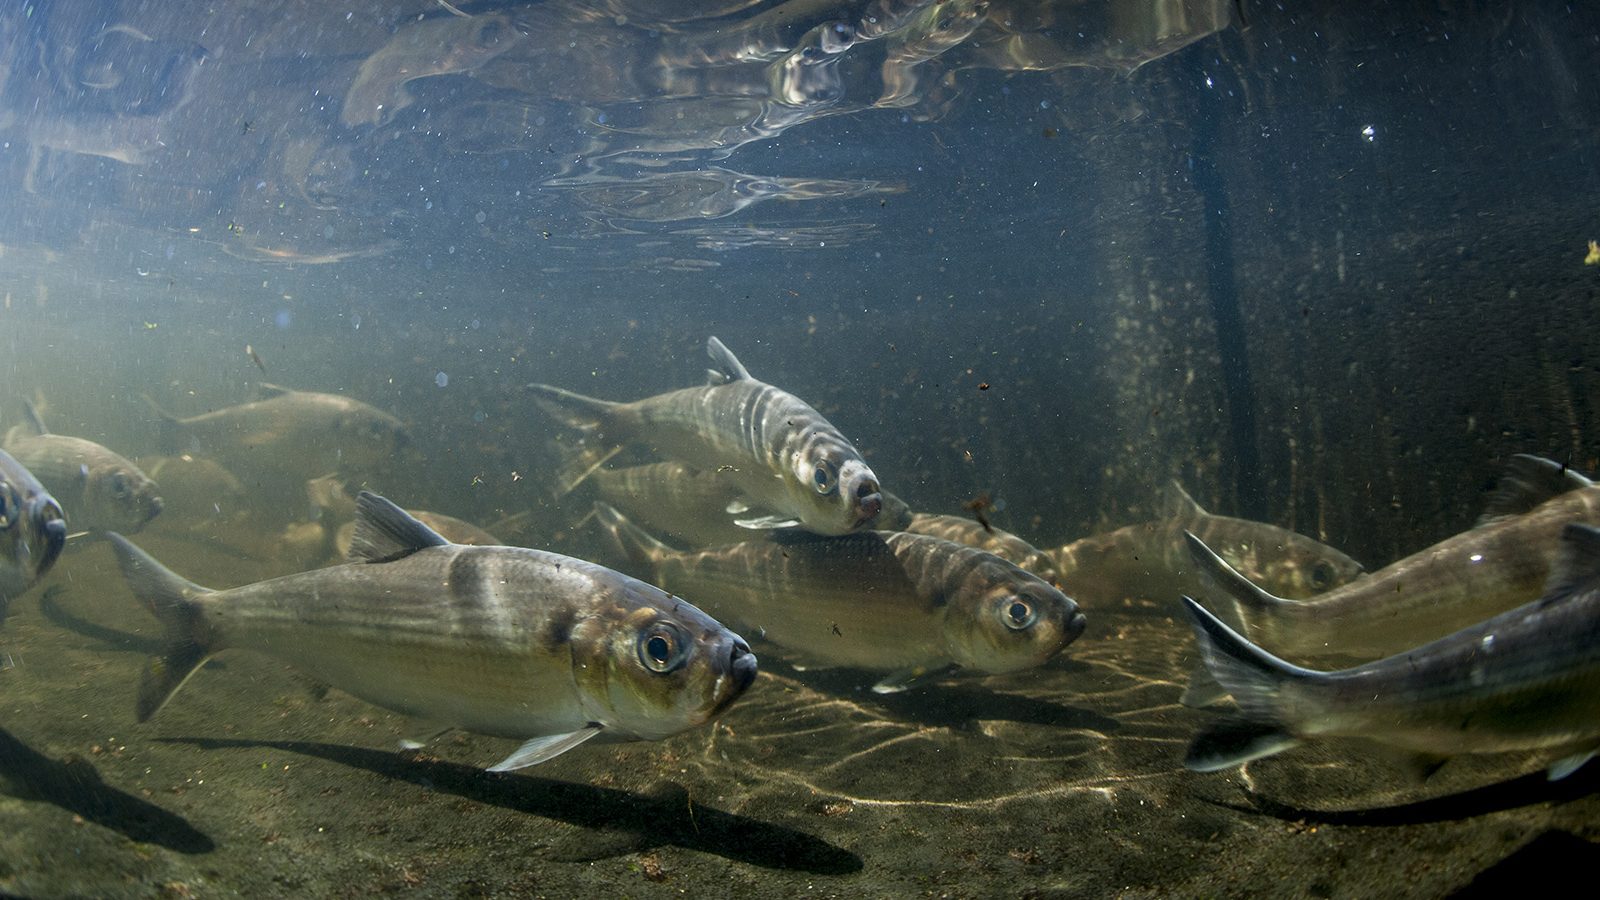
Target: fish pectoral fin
{"points": [[762, 523], [544, 749], [895, 682], [1566, 765], [736, 507], [426, 733], [1235, 741]]}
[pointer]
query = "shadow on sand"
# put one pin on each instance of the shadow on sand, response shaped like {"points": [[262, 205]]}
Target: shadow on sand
{"points": [[666, 818]]}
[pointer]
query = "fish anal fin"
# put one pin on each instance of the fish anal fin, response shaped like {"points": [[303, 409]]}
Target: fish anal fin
{"points": [[385, 532], [725, 366], [544, 749]]}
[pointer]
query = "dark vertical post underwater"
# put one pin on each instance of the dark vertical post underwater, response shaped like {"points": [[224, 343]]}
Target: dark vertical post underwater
{"points": [[1213, 101]]}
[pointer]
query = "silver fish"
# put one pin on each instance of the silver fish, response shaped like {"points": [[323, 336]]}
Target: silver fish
{"points": [[104, 490], [299, 434], [1002, 543], [442, 46], [909, 604], [675, 499], [1528, 679], [32, 530], [1150, 560], [1464, 579], [504, 641], [787, 460]]}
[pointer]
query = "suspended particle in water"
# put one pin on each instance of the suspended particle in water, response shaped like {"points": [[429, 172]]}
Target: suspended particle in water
{"points": [[441, 379]]}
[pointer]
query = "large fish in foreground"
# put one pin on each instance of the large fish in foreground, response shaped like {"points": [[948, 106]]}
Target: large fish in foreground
{"points": [[299, 434], [502, 641], [1150, 560], [1528, 679], [103, 489], [790, 465], [907, 604], [32, 530], [1466, 578]]}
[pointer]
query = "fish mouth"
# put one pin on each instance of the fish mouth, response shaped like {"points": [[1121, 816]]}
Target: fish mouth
{"points": [[867, 500], [739, 673], [1074, 626]]}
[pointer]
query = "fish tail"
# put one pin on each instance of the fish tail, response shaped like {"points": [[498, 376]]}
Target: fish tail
{"points": [[588, 415], [171, 436], [1258, 608], [1257, 680], [188, 640], [643, 551]]}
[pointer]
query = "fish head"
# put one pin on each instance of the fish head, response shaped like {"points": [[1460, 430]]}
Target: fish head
{"points": [[369, 438], [1290, 565], [33, 531], [119, 497], [652, 665], [835, 488], [1004, 619]]}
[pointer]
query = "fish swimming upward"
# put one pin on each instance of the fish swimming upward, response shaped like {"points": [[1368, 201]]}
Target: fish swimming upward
{"points": [[1466, 578], [503, 641], [298, 434], [1150, 560], [32, 530], [103, 490], [907, 604], [1528, 679], [789, 464]]}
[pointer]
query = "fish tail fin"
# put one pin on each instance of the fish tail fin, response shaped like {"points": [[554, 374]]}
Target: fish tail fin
{"points": [[30, 412], [588, 415], [641, 549], [171, 437], [1257, 680], [1256, 607], [188, 640]]}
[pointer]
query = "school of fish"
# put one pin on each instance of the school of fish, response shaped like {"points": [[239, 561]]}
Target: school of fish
{"points": [[737, 505]]}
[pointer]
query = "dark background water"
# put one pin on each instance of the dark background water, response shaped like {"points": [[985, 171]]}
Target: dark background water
{"points": [[1205, 268]]}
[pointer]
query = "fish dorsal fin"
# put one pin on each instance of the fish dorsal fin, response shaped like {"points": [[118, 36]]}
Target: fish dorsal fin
{"points": [[725, 367], [1528, 482], [1177, 504], [35, 421], [385, 532], [268, 390], [1577, 565]]}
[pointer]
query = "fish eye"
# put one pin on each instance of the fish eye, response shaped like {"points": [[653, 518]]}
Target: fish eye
{"points": [[1321, 575], [8, 506], [826, 478], [1017, 613], [660, 649]]}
